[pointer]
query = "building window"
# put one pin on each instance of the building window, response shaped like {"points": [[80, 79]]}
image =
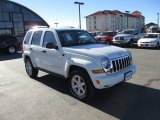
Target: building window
{"points": [[4, 16], [6, 25], [16, 19], [5, 32]]}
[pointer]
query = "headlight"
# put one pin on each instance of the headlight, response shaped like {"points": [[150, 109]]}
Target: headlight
{"points": [[152, 41], [105, 63], [130, 56]]}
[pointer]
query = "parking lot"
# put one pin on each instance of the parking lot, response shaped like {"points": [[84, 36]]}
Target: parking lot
{"points": [[48, 98]]}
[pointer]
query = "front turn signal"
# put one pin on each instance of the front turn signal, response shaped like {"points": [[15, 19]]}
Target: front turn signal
{"points": [[100, 71]]}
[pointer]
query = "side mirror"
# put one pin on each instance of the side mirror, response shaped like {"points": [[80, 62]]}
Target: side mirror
{"points": [[51, 46]]}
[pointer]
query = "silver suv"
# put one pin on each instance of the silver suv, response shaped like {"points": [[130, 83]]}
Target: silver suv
{"points": [[127, 37], [75, 55]]}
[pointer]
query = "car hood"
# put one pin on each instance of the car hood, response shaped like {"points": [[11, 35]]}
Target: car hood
{"points": [[101, 37], [123, 35], [147, 39], [97, 51]]}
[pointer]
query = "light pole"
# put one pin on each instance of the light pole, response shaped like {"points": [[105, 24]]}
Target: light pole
{"points": [[79, 4], [56, 24], [158, 20], [127, 17]]}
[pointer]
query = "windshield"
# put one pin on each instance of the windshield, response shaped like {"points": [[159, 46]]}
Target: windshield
{"points": [[151, 36], [127, 32], [108, 34], [75, 38]]}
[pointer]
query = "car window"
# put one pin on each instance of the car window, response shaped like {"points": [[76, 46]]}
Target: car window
{"points": [[36, 38], [151, 36], [75, 38], [49, 38], [127, 32], [27, 38]]}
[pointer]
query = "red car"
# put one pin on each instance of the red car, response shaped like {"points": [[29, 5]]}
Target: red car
{"points": [[106, 37]]}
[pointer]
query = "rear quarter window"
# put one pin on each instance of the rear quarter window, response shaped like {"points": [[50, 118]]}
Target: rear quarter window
{"points": [[27, 37]]}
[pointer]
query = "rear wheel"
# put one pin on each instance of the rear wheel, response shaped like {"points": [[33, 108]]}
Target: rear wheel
{"points": [[80, 85], [31, 71]]}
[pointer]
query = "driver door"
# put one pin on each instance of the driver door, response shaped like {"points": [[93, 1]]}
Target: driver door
{"points": [[50, 57]]}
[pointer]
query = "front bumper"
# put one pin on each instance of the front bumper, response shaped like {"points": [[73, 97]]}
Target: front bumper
{"points": [[108, 80], [147, 44], [120, 42]]}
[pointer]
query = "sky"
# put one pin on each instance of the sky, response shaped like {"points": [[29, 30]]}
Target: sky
{"points": [[65, 12]]}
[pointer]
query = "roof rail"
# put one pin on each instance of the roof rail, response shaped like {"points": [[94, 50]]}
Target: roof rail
{"points": [[38, 27]]}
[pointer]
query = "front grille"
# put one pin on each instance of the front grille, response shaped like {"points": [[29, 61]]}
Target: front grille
{"points": [[120, 64], [119, 38], [116, 38]]}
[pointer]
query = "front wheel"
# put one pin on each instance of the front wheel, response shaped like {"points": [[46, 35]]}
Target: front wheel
{"points": [[31, 71], [80, 85], [131, 44], [11, 50], [157, 46]]}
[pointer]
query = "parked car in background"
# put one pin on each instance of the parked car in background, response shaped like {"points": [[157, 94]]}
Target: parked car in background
{"points": [[9, 43], [150, 40], [106, 37], [128, 37], [94, 34]]}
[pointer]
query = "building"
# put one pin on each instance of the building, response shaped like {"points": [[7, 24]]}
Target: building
{"points": [[151, 28], [114, 20], [16, 19]]}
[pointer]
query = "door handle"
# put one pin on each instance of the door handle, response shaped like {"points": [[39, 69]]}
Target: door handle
{"points": [[43, 51]]}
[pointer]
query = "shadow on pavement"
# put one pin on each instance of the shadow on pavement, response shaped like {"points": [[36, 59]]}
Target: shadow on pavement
{"points": [[124, 101], [4, 57]]}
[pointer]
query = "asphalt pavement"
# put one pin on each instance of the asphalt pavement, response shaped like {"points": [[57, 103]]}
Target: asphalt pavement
{"points": [[47, 97]]}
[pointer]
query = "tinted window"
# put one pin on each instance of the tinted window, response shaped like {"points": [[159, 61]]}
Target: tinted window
{"points": [[75, 38], [49, 38], [27, 38], [151, 36], [36, 38], [108, 34], [127, 32]]}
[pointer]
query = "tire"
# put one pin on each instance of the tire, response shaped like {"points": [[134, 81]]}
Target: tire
{"points": [[157, 46], [31, 71], [81, 86], [131, 43], [11, 50], [107, 42]]}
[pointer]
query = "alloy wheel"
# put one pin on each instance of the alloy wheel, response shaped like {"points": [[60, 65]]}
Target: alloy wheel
{"points": [[11, 50], [78, 85], [29, 67]]}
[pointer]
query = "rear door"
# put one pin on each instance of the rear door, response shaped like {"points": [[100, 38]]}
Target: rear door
{"points": [[34, 48]]}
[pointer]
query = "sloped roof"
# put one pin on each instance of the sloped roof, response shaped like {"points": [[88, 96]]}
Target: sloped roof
{"points": [[115, 12]]}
